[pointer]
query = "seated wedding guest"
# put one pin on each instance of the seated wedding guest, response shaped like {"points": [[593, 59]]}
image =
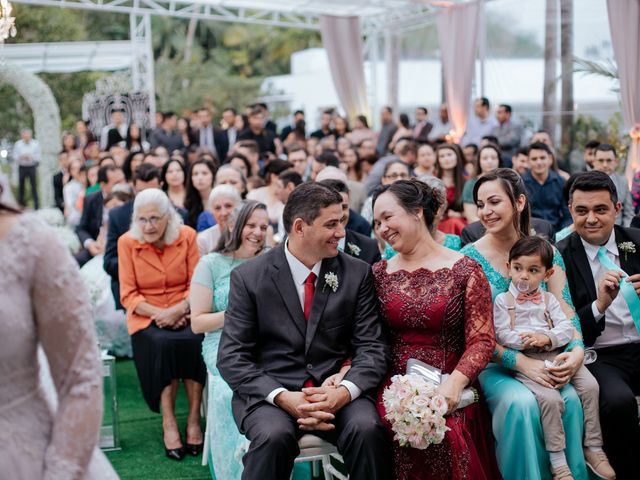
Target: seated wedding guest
{"points": [[520, 160], [447, 240], [50, 421], [156, 259], [135, 141], [589, 154], [544, 188], [74, 192], [297, 156], [406, 150], [393, 171], [470, 153], [173, 179], [305, 288], [208, 296], [403, 130], [167, 134], [436, 304], [351, 164], [256, 131], [287, 182], [267, 194], [251, 151], [606, 160], [353, 243], [504, 211], [229, 175], [489, 158], [133, 160], [200, 178], [449, 168], [530, 320], [119, 222], [222, 202], [355, 222], [93, 214], [361, 131], [542, 136], [241, 163], [425, 160], [603, 269], [322, 161]]}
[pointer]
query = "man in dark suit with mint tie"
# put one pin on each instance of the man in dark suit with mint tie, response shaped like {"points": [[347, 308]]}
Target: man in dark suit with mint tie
{"points": [[603, 271]]}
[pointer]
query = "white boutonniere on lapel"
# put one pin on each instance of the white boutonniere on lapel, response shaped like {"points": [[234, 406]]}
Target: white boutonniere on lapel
{"points": [[331, 281], [353, 249], [627, 247]]}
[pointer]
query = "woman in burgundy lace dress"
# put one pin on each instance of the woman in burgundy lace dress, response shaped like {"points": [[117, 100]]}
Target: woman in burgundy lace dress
{"points": [[437, 304]]}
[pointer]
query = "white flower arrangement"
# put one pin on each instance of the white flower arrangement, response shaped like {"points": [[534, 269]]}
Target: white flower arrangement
{"points": [[331, 281], [51, 216], [68, 238], [415, 411], [627, 247], [354, 249]]}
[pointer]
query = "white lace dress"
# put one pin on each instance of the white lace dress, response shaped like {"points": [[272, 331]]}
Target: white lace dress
{"points": [[46, 432]]}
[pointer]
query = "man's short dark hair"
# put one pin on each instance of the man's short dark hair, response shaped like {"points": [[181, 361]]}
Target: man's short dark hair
{"points": [[592, 181], [306, 201], [295, 147], [262, 105], [491, 139], [250, 145], [338, 185], [230, 109], [146, 172], [167, 115], [408, 147], [424, 109], [290, 176], [484, 101], [591, 144], [533, 245], [329, 159], [388, 109], [506, 107], [606, 147], [540, 146], [523, 151], [103, 172], [298, 112]]}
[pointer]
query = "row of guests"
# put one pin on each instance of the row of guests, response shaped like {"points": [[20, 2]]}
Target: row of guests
{"points": [[503, 210]]}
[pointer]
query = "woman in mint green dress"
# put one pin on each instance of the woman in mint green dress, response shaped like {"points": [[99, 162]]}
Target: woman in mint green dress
{"points": [[447, 240], [209, 296], [504, 212]]}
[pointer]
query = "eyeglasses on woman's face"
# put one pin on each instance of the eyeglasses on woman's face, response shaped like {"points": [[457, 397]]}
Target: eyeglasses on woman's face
{"points": [[153, 221]]}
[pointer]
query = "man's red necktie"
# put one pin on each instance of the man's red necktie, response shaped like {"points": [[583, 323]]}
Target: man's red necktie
{"points": [[309, 290]]}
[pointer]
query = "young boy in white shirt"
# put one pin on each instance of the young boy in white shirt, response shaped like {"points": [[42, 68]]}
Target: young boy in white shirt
{"points": [[530, 320]]}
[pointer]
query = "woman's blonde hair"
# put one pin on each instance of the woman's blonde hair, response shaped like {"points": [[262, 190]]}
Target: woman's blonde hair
{"points": [[155, 196]]}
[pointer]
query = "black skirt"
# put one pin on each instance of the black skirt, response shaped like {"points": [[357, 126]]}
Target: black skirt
{"points": [[163, 355]]}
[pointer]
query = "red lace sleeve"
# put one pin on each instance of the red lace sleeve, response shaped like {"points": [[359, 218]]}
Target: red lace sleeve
{"points": [[479, 337]]}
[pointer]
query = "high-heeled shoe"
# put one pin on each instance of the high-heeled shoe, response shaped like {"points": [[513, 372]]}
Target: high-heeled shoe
{"points": [[175, 453], [194, 449]]}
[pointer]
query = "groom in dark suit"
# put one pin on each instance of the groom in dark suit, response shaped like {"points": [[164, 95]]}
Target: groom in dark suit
{"points": [[295, 316], [607, 303]]}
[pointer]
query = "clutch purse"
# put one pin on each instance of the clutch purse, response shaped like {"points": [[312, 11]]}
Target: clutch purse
{"points": [[435, 376]]}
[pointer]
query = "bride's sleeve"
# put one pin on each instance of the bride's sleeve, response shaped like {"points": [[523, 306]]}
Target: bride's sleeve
{"points": [[479, 336], [66, 332]]}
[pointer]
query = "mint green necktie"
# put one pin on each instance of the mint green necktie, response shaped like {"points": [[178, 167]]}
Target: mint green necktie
{"points": [[626, 288]]}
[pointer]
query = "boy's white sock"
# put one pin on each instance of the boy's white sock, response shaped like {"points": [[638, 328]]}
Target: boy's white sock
{"points": [[557, 459], [594, 449]]}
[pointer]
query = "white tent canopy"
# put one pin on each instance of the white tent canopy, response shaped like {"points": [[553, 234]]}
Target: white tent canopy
{"points": [[376, 15]]}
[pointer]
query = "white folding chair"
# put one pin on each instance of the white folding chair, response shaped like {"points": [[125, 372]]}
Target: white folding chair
{"points": [[314, 449]]}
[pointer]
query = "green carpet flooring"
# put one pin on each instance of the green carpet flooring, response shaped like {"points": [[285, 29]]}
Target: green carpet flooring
{"points": [[142, 453]]}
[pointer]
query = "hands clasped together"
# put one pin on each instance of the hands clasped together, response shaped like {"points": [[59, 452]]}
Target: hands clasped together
{"points": [[174, 318], [315, 407]]}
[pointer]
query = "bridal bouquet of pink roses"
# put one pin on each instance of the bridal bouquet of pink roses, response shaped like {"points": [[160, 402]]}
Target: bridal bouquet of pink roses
{"points": [[415, 411]]}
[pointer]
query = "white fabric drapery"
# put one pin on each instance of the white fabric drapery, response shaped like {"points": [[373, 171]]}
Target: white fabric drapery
{"points": [[624, 21], [458, 27], [342, 41]]}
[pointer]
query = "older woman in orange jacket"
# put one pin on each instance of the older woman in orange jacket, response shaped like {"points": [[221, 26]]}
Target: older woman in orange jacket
{"points": [[156, 259]]}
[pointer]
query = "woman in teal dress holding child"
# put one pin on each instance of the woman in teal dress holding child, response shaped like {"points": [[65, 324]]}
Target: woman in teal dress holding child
{"points": [[245, 239], [504, 211]]}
